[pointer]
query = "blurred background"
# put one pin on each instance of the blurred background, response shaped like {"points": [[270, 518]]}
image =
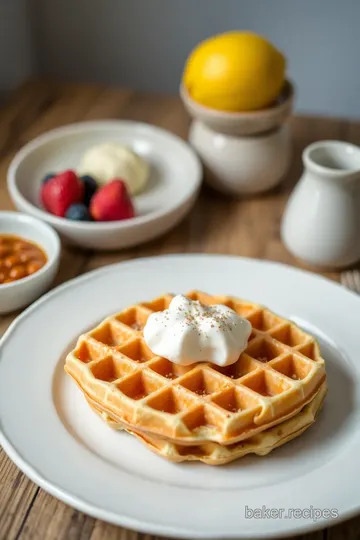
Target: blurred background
{"points": [[143, 44]]}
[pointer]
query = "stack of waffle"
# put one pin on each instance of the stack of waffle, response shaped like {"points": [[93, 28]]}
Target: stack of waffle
{"points": [[270, 395]]}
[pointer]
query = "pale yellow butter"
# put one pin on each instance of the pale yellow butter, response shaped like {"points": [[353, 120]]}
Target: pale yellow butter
{"points": [[111, 160]]}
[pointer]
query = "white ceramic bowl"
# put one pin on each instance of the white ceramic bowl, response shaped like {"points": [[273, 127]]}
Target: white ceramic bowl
{"points": [[20, 293], [172, 189], [242, 124]]}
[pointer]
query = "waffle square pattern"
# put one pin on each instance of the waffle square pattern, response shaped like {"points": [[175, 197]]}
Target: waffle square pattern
{"points": [[213, 453], [279, 373]]}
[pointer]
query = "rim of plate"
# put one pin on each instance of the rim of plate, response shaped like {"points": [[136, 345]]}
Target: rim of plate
{"points": [[137, 524], [59, 132]]}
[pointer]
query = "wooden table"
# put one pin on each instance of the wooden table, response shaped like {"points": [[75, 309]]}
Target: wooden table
{"points": [[248, 227]]}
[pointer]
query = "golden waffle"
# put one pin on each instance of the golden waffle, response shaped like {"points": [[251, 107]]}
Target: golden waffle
{"points": [[280, 371], [213, 453]]}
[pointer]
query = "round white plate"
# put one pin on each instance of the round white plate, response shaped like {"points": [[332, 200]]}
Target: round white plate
{"points": [[172, 188], [53, 436]]}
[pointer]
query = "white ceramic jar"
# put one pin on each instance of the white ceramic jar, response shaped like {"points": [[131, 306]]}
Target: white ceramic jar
{"points": [[244, 153], [242, 165], [321, 222]]}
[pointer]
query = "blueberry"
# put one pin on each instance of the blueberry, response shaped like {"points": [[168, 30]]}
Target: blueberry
{"points": [[48, 177], [78, 212], [90, 187]]}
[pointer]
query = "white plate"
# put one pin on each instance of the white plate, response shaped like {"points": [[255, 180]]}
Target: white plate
{"points": [[174, 182], [51, 434]]}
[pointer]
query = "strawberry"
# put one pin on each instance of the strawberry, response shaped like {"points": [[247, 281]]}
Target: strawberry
{"points": [[58, 193], [112, 202]]}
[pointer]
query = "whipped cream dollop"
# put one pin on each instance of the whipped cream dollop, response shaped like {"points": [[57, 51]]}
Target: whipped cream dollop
{"points": [[189, 332]]}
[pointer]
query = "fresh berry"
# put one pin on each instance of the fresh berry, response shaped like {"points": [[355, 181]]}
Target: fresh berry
{"points": [[58, 193], [90, 187], [78, 212], [112, 202], [47, 178]]}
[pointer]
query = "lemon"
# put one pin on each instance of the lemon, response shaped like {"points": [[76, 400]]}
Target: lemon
{"points": [[235, 71]]}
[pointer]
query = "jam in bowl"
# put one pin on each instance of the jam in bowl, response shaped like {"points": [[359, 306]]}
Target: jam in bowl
{"points": [[29, 259], [19, 258]]}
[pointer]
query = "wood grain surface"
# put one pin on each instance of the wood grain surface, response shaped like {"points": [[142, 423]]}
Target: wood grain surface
{"points": [[217, 224]]}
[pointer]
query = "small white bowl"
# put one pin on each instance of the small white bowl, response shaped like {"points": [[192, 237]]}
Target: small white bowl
{"points": [[172, 189], [243, 123], [22, 292]]}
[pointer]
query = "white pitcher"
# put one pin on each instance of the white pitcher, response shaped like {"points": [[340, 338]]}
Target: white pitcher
{"points": [[321, 222]]}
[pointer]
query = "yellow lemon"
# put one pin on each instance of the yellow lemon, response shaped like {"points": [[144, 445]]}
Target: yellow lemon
{"points": [[235, 71]]}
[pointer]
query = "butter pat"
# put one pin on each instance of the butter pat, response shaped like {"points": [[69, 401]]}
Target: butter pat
{"points": [[111, 160]]}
